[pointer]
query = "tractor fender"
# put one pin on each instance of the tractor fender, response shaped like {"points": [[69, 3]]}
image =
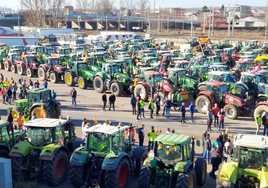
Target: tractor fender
{"points": [[80, 157], [232, 99], [137, 152], [100, 74], [183, 166], [145, 84], [8, 61], [165, 87], [262, 103], [150, 162], [20, 149], [4, 147], [264, 177], [201, 84], [44, 66], [208, 94], [38, 104], [229, 172], [17, 62], [111, 161], [50, 150]]}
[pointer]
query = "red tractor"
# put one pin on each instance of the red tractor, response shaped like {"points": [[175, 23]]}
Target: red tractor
{"points": [[152, 82], [10, 60], [216, 92], [51, 69], [28, 65]]}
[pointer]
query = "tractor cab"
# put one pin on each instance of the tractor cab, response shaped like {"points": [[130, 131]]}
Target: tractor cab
{"points": [[219, 67], [76, 50], [229, 51], [181, 64], [153, 50], [175, 52], [162, 46], [15, 51], [47, 45], [217, 89], [147, 61], [37, 49], [65, 51], [133, 48], [141, 53], [259, 51], [252, 43], [198, 72], [52, 61], [111, 68], [31, 60], [18, 47], [220, 76], [37, 96], [159, 67], [12, 57], [218, 52], [143, 45], [167, 58], [152, 78], [50, 51], [242, 66]]}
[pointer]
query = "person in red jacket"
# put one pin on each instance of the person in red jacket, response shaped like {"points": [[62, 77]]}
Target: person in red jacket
{"points": [[132, 132], [215, 111]]}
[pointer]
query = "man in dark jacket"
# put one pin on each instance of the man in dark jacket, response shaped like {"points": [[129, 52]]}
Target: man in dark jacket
{"points": [[216, 159], [265, 123], [207, 147], [141, 135], [133, 102], [104, 100], [9, 95], [183, 111], [73, 95], [167, 107], [112, 100]]}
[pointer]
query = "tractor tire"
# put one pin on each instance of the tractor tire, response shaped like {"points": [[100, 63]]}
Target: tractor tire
{"points": [[145, 178], [54, 172], [202, 104], [69, 79], [54, 77], [142, 91], [13, 69], [20, 69], [18, 175], [139, 162], [29, 72], [7, 66], [16, 112], [117, 89], [98, 84], [1, 66], [58, 111], [118, 178], [260, 109], [4, 153], [78, 176], [41, 73], [231, 111], [37, 111], [200, 171], [261, 99], [82, 83], [185, 181]]}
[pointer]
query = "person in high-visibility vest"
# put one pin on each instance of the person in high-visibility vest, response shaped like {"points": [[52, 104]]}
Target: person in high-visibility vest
{"points": [[142, 104], [25, 118], [179, 99], [1, 85], [152, 135], [106, 123], [151, 108], [6, 83], [258, 122]]}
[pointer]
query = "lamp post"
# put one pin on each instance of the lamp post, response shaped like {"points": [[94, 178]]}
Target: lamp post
{"points": [[18, 18]]}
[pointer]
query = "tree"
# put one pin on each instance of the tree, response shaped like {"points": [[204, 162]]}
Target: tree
{"points": [[56, 11], [143, 5], [105, 7], [130, 5], [205, 9], [84, 5]]}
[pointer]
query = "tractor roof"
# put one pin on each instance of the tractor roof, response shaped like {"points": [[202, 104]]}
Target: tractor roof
{"points": [[3, 123], [251, 141], [215, 83], [52, 58], [168, 55], [218, 72], [218, 50], [152, 73], [182, 62], [106, 129], [45, 123], [29, 55], [173, 138], [249, 73], [38, 90], [176, 69], [242, 62]]}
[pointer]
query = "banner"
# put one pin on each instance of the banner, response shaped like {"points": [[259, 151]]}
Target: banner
{"points": [[203, 40], [156, 10]]}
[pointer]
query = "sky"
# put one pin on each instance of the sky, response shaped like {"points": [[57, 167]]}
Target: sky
{"points": [[168, 3]]}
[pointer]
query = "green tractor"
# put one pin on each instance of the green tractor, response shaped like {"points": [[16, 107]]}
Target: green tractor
{"points": [[199, 73], [37, 98], [108, 158], [79, 74], [3, 56], [171, 164], [128, 67], [112, 78], [8, 139], [248, 167], [224, 44], [45, 154]]}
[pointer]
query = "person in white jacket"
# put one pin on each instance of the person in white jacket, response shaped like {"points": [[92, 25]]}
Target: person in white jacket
{"points": [[85, 125]]}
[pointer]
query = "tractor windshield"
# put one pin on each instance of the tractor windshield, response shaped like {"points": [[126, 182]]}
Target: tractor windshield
{"points": [[99, 142], [114, 69], [223, 89], [247, 78], [158, 78], [39, 136], [33, 98], [264, 78], [14, 57], [50, 51], [154, 60], [216, 59], [106, 55], [169, 152], [54, 61], [4, 137], [45, 96], [31, 59], [181, 74], [67, 51], [242, 66], [40, 49], [251, 158], [83, 66]]}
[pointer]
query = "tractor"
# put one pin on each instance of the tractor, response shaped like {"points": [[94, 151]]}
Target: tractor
{"points": [[253, 44], [199, 73], [64, 50], [217, 92], [8, 138], [248, 167], [241, 66], [183, 64], [3, 56], [51, 69], [10, 60], [79, 74], [14, 51], [112, 78], [38, 100], [167, 58], [152, 82], [146, 61], [45, 155], [108, 158], [262, 103], [28, 65], [171, 164], [224, 44]]}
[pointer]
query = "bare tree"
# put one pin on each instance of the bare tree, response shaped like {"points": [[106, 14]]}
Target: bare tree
{"points": [[130, 5], [105, 7], [84, 5], [55, 11], [143, 5]]}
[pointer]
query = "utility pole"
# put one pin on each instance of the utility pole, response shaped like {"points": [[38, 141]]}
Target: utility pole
{"points": [[158, 24], [192, 26], [233, 26], [209, 22], [204, 24], [212, 23], [106, 23], [229, 24], [266, 16], [19, 19]]}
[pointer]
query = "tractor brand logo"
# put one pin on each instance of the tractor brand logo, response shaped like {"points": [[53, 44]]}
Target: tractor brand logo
{"points": [[60, 141]]}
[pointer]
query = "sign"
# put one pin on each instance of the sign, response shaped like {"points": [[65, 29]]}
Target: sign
{"points": [[203, 40], [156, 10]]}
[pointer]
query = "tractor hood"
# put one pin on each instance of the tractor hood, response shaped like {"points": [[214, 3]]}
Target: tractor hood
{"points": [[122, 77], [90, 74], [232, 99], [165, 87], [59, 68]]}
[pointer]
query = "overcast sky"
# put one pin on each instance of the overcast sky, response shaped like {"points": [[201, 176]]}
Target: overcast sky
{"points": [[168, 3]]}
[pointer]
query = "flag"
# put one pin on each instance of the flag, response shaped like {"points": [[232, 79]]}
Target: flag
{"points": [[167, 152], [203, 40], [86, 58], [175, 148], [227, 130], [22, 56], [195, 51], [161, 68], [135, 83], [38, 55], [55, 54], [95, 120], [42, 111], [160, 147], [156, 131]]}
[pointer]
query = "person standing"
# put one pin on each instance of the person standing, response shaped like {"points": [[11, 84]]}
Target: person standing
{"points": [[53, 95], [104, 101], [175, 101], [34, 116], [258, 122], [141, 135], [73, 95], [138, 110], [36, 84], [9, 95], [216, 159], [45, 84], [3, 93], [191, 110], [21, 91], [265, 124], [142, 104], [14, 90], [25, 118], [183, 112], [152, 135], [20, 80], [168, 105], [207, 147], [84, 123], [137, 100], [6, 83], [157, 104], [112, 100], [133, 102], [179, 100], [221, 115], [209, 119], [164, 108], [1, 85], [151, 108], [215, 111], [2, 76]]}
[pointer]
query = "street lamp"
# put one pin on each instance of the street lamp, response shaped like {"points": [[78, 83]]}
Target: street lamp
{"points": [[18, 18]]}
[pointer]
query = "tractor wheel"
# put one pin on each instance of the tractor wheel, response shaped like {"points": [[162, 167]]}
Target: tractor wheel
{"points": [[261, 99], [41, 73], [78, 176], [260, 109], [1, 66], [98, 84], [16, 113], [7, 66], [58, 111], [54, 77], [185, 181], [29, 72], [17, 174], [69, 79], [118, 178], [37, 111], [117, 89], [142, 91], [139, 162], [4, 153], [20, 69], [202, 104], [54, 172], [231, 111], [82, 83], [145, 178], [200, 171], [13, 69]]}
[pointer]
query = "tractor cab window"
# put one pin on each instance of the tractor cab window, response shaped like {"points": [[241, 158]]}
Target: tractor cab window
{"points": [[54, 61], [106, 55], [247, 79], [223, 89], [181, 74], [250, 158], [4, 53], [215, 77], [39, 136], [98, 44], [45, 97], [216, 59], [40, 49], [154, 60], [33, 98], [4, 135], [67, 51], [83, 66], [99, 142], [31, 59], [225, 78], [114, 69], [169, 152], [59, 133], [257, 79], [158, 78], [50, 51], [119, 142], [14, 57], [264, 78]]}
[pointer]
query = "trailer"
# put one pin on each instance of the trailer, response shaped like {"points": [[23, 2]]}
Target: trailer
{"points": [[50, 31]]}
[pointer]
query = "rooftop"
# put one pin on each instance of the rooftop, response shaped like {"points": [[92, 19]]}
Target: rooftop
{"points": [[251, 141], [45, 123]]}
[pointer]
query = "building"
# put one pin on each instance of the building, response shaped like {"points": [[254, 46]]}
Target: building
{"points": [[5, 9], [241, 11], [177, 12], [250, 23]]}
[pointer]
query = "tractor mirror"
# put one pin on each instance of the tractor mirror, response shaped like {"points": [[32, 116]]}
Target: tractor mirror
{"points": [[198, 143], [151, 154]]}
